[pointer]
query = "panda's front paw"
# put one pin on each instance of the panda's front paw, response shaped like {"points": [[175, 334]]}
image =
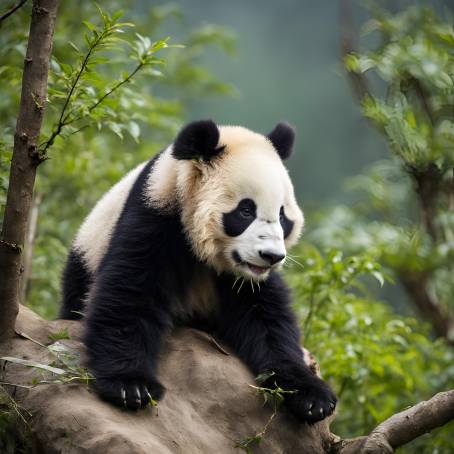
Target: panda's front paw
{"points": [[132, 394], [312, 402]]}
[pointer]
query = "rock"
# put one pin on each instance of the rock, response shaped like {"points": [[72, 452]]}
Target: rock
{"points": [[208, 406]]}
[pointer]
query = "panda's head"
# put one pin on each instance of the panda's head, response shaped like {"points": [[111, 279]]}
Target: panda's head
{"points": [[235, 196]]}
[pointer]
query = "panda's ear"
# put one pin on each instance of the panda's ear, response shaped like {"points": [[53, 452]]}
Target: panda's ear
{"points": [[282, 137], [197, 140]]}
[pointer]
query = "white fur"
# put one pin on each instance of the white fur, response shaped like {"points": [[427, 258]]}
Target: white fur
{"points": [[249, 167], [161, 182], [94, 234]]}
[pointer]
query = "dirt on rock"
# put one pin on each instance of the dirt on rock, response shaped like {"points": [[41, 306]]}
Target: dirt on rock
{"points": [[208, 407]]}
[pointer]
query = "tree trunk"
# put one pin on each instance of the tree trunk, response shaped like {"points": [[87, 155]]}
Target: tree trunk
{"points": [[30, 237], [26, 158]]}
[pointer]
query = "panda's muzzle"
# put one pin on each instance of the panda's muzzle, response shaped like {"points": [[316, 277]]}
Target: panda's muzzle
{"points": [[271, 257]]}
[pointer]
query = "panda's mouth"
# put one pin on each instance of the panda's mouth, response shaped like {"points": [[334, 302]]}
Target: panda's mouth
{"points": [[255, 269]]}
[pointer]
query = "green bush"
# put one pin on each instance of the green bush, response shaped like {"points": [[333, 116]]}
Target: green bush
{"points": [[378, 362]]}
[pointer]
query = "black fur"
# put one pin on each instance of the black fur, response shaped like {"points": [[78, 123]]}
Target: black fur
{"points": [[239, 219], [76, 283], [286, 223], [282, 137], [143, 275], [197, 140], [261, 328]]}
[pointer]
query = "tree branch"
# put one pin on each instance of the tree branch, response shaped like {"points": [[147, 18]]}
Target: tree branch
{"points": [[416, 285], [424, 98], [108, 93], [348, 41], [428, 185], [409, 424], [13, 10], [25, 160], [402, 427]]}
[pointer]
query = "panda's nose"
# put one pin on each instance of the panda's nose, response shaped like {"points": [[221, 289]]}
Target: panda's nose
{"points": [[271, 257]]}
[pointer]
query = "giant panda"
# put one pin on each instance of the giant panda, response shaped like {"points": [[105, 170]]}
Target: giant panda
{"points": [[194, 236]]}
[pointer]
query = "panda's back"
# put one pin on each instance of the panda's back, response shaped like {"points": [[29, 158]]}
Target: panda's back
{"points": [[93, 237]]}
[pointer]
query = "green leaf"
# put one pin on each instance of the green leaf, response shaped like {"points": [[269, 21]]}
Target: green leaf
{"points": [[59, 335], [379, 277], [89, 25], [29, 363], [134, 130]]}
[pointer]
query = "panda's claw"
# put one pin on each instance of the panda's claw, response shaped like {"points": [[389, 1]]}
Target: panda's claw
{"points": [[123, 397], [138, 397], [312, 402], [150, 398]]}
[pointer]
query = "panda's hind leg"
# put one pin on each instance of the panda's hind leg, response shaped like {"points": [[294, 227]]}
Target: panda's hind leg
{"points": [[75, 286]]}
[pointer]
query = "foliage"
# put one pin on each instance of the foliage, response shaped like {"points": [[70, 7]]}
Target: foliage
{"points": [[378, 362], [63, 368], [409, 198], [114, 82], [14, 427], [274, 397]]}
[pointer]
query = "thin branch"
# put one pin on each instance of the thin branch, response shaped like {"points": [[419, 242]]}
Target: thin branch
{"points": [[109, 92], [65, 119], [349, 44], [13, 10], [62, 120], [428, 184], [424, 98], [118, 85]]}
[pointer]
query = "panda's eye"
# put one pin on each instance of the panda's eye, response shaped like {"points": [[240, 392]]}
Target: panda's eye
{"points": [[281, 214], [246, 212]]}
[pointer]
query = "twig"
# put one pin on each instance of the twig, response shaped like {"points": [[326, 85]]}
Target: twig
{"points": [[26, 336], [62, 120], [13, 10], [109, 92], [65, 120], [16, 385], [216, 344], [428, 183], [117, 86], [423, 96], [349, 45]]}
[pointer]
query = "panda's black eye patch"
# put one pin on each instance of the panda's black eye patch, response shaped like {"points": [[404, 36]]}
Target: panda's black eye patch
{"points": [[238, 220], [286, 223]]}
